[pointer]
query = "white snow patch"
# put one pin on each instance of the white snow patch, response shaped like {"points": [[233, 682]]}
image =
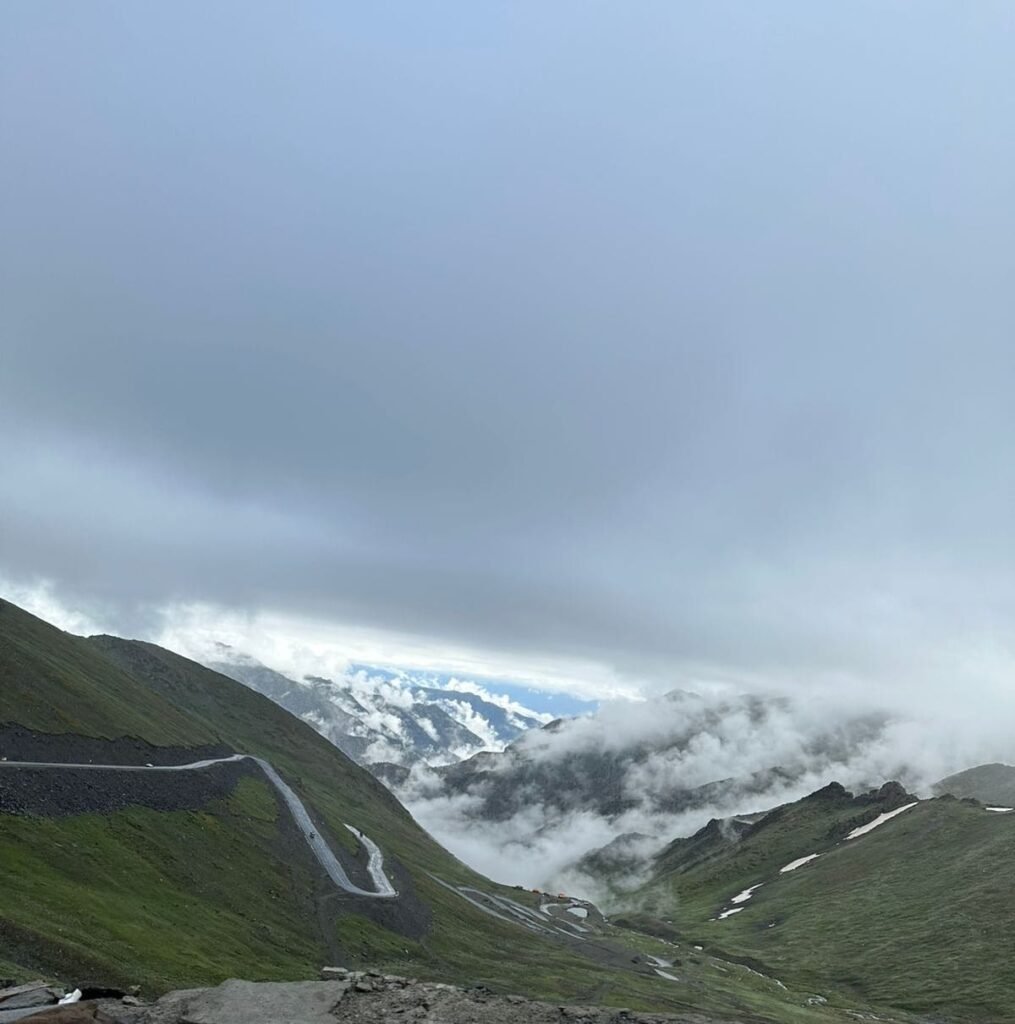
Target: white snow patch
{"points": [[729, 913], [1000, 810], [578, 912], [666, 975], [879, 820], [794, 864], [71, 997], [743, 897]]}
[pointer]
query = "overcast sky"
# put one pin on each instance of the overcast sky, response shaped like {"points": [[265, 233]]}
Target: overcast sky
{"points": [[675, 339]]}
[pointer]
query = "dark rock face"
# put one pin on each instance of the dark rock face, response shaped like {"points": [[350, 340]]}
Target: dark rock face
{"points": [[892, 794], [833, 791]]}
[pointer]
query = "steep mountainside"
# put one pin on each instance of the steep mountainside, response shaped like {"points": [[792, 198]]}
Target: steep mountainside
{"points": [[57, 684], [895, 901], [189, 876]]}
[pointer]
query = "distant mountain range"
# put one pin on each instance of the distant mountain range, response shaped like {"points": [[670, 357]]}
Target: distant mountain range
{"points": [[657, 756], [583, 804], [396, 717], [831, 907]]}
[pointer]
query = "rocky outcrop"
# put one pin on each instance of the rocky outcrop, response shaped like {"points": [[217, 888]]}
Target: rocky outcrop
{"points": [[34, 993], [891, 794], [347, 997]]}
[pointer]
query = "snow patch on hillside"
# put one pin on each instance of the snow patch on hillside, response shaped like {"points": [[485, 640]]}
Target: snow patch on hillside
{"points": [[799, 863], [743, 897], [730, 913], [879, 820]]}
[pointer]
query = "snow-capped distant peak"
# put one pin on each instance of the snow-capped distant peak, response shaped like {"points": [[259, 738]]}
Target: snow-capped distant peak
{"points": [[397, 716]]}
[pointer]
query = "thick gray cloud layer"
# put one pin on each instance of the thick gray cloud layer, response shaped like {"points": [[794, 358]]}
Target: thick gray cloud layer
{"points": [[660, 334]]}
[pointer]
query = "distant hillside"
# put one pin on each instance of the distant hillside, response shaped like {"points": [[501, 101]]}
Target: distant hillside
{"points": [[915, 911], [992, 784]]}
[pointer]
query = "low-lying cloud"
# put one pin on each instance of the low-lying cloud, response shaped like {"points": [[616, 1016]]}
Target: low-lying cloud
{"points": [[577, 333], [767, 751]]}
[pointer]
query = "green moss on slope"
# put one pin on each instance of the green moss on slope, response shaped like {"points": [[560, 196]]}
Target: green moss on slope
{"points": [[159, 898], [54, 682], [919, 914]]}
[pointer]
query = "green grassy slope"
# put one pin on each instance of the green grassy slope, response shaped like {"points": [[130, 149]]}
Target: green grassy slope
{"points": [[54, 682], [152, 898], [180, 898], [709, 868], [919, 914]]}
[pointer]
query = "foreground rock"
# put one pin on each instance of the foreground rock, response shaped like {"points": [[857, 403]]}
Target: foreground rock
{"points": [[248, 1002], [20, 1001], [352, 997], [35, 993]]}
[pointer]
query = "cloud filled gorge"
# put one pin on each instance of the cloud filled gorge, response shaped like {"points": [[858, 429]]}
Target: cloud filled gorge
{"points": [[662, 768]]}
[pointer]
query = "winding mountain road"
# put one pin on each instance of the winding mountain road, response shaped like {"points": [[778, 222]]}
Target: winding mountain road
{"points": [[325, 857]]}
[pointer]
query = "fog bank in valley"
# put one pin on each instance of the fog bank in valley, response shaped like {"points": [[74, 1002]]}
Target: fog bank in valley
{"points": [[672, 744]]}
